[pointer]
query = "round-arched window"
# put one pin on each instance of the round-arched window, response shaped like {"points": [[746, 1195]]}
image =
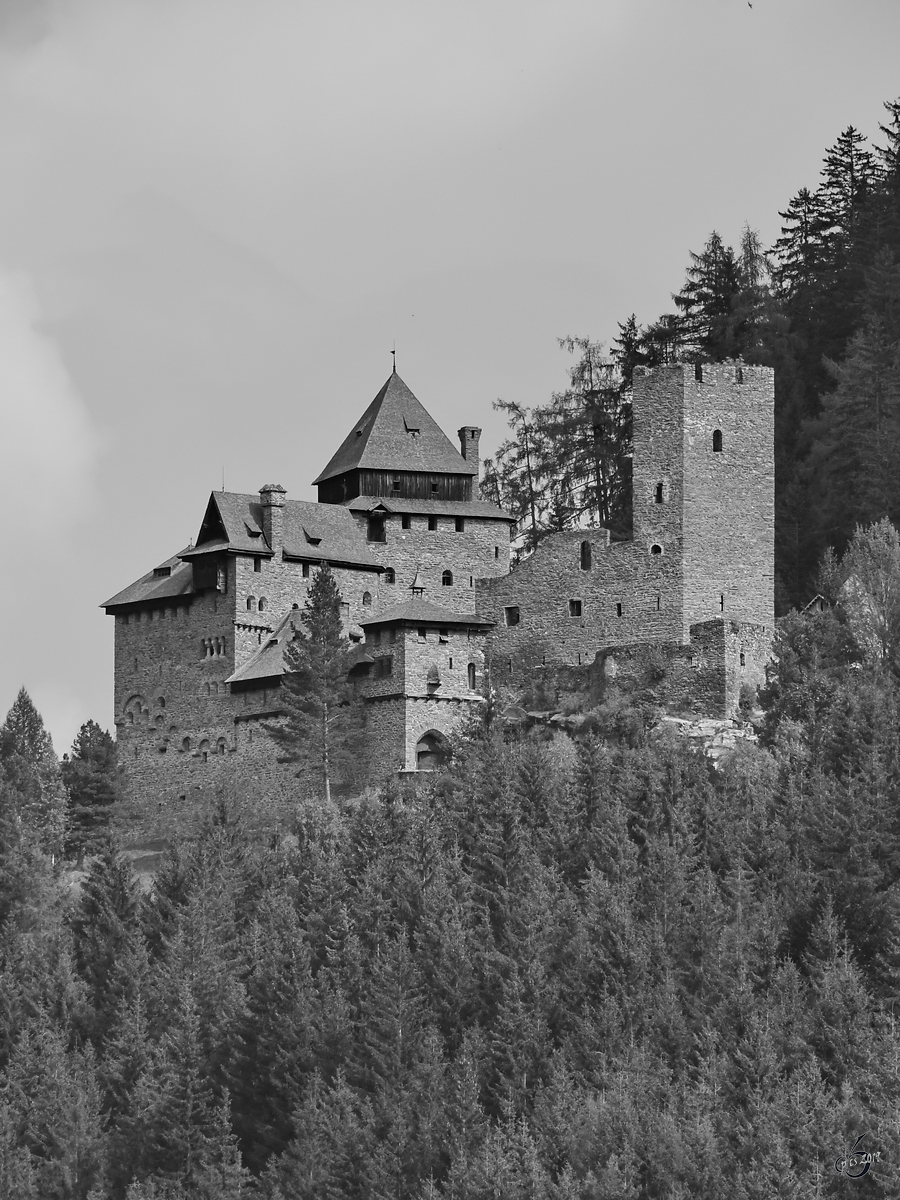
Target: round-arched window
{"points": [[262, 604], [251, 604], [390, 575], [447, 579], [656, 548], [717, 440], [367, 597]]}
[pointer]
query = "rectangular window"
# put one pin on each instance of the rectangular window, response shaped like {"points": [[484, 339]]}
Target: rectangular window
{"points": [[511, 615], [432, 523], [162, 572], [743, 660], [376, 529], [374, 637], [434, 489], [443, 635], [422, 635], [395, 484], [460, 524], [574, 608], [257, 563], [618, 610], [405, 521], [305, 570], [386, 665]]}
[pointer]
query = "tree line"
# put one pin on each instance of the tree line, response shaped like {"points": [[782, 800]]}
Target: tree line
{"points": [[821, 306]]}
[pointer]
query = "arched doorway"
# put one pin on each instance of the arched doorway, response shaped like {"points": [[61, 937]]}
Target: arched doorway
{"points": [[431, 751]]}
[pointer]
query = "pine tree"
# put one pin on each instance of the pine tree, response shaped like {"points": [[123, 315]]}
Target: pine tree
{"points": [[323, 715]]}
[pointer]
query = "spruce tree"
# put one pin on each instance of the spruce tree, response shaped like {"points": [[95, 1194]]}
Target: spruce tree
{"points": [[28, 763], [89, 775], [323, 716]]}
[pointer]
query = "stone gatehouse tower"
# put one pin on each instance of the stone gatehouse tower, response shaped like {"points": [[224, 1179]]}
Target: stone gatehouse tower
{"points": [[423, 567]]}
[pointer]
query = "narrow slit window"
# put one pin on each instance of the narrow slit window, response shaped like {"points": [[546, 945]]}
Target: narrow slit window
{"points": [[305, 570], [717, 441], [470, 672], [257, 563], [618, 610], [585, 556], [658, 603], [722, 602], [405, 521], [659, 493], [698, 372], [743, 660]]}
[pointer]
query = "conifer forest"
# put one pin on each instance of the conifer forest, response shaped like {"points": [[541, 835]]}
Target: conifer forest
{"points": [[587, 963]]}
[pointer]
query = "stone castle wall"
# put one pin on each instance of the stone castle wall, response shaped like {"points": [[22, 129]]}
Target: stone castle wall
{"points": [[627, 595], [481, 549]]}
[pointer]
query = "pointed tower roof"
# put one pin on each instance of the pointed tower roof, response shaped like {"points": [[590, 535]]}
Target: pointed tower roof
{"points": [[395, 433]]}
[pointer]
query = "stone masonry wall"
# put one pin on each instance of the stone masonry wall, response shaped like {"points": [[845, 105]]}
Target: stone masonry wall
{"points": [[647, 586], [481, 549], [729, 504]]}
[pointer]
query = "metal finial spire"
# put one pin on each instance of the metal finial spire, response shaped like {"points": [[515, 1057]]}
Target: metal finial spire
{"points": [[394, 356]]}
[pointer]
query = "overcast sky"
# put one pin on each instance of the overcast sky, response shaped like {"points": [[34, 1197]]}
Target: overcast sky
{"points": [[216, 216]]}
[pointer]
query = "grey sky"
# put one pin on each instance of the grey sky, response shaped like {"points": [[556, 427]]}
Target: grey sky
{"points": [[216, 216]]}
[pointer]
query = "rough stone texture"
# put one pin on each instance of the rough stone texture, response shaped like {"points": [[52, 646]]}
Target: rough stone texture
{"points": [[481, 549], [702, 552]]}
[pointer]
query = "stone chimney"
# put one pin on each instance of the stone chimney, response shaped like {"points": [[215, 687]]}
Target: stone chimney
{"points": [[468, 448], [271, 497]]}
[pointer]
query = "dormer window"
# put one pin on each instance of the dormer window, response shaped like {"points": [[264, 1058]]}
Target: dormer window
{"points": [[162, 572], [412, 430]]}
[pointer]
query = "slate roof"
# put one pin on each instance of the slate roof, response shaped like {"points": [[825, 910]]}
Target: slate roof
{"points": [[268, 661], [440, 508], [318, 532], [422, 612], [155, 587], [383, 439]]}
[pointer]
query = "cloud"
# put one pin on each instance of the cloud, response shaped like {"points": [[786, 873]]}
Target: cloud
{"points": [[48, 448]]}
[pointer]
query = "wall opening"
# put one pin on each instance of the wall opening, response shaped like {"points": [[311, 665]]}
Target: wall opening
{"points": [[431, 751], [375, 528], [659, 493], [511, 615], [367, 598], [470, 676], [743, 660], [390, 575], [262, 604], [251, 604], [460, 524], [305, 570], [574, 608], [405, 521], [618, 610], [447, 579], [257, 563], [698, 372], [717, 441], [656, 548], [721, 603], [585, 556], [432, 524]]}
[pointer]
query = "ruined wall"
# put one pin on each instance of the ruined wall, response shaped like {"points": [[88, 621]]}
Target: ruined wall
{"points": [[627, 595]]}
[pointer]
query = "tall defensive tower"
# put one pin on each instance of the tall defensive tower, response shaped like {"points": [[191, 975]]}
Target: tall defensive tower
{"points": [[704, 485]]}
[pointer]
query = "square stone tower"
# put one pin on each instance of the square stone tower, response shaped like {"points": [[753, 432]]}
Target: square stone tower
{"points": [[704, 485]]}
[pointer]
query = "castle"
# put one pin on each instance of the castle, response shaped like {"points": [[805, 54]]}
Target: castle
{"points": [[429, 595]]}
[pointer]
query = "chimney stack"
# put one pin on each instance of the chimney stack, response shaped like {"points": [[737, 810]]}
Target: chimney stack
{"points": [[271, 497], [468, 448]]}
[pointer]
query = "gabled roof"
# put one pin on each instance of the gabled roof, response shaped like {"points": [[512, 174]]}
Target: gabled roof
{"points": [[178, 582], [422, 612], [395, 433], [440, 508], [317, 532]]}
